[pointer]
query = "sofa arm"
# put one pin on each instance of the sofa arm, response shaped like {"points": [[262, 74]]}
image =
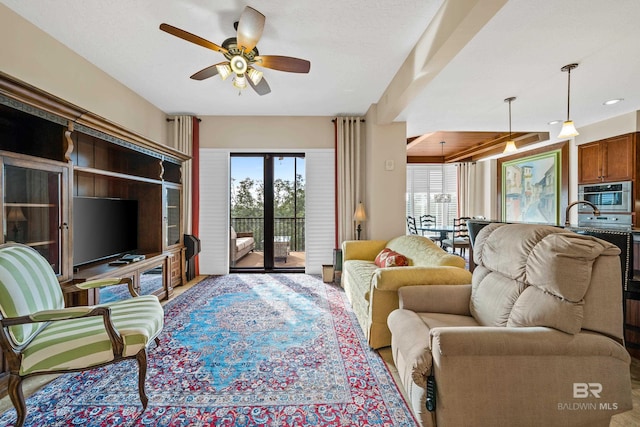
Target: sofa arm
{"points": [[436, 299], [393, 278], [365, 250]]}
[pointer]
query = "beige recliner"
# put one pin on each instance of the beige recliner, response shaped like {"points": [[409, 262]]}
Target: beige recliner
{"points": [[535, 340]]}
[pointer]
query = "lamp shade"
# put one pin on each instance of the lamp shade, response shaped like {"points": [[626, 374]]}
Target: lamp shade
{"points": [[360, 215], [15, 214], [224, 70], [568, 130], [510, 147]]}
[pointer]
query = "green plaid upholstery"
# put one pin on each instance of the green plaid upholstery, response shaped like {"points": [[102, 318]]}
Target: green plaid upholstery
{"points": [[27, 284], [81, 343]]}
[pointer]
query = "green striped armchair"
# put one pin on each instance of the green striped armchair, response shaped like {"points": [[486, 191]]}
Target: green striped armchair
{"points": [[40, 336]]}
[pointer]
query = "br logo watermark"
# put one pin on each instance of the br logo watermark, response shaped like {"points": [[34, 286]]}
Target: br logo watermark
{"points": [[586, 391]]}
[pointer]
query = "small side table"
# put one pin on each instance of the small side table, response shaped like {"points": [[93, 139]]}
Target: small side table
{"points": [[281, 247]]}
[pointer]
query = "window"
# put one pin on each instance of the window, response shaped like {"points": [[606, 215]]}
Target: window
{"points": [[423, 183]]}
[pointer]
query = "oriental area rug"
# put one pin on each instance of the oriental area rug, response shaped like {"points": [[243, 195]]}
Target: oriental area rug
{"points": [[239, 350]]}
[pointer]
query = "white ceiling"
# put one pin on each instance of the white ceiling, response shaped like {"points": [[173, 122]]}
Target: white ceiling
{"points": [[356, 47]]}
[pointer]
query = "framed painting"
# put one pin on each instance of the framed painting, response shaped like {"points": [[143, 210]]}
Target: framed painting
{"points": [[531, 188]]}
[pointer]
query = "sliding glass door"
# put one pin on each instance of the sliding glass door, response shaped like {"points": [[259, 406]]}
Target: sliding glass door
{"points": [[267, 212]]}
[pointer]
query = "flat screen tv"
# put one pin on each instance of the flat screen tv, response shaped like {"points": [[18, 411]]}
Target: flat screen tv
{"points": [[103, 228]]}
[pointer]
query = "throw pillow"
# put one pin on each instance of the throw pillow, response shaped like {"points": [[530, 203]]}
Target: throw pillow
{"points": [[389, 258]]}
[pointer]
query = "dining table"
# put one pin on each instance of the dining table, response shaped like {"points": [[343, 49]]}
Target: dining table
{"points": [[444, 230]]}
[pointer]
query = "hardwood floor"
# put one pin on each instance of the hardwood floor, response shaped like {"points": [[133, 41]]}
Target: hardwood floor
{"points": [[627, 419]]}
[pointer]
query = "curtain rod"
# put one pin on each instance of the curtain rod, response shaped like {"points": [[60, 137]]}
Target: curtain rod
{"points": [[361, 120], [173, 120]]}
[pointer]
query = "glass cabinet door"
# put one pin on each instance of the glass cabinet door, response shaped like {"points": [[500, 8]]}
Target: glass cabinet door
{"points": [[33, 210], [172, 216]]}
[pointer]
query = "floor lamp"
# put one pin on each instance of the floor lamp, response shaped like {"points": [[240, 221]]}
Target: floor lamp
{"points": [[359, 217]]}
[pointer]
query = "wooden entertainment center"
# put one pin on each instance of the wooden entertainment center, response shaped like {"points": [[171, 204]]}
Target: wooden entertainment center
{"points": [[52, 151]]}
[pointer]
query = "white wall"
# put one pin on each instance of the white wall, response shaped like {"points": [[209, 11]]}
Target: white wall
{"points": [[266, 133], [32, 56], [220, 136], [385, 190]]}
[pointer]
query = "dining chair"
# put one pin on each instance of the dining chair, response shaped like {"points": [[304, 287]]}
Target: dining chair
{"points": [[426, 221], [460, 238], [411, 225]]}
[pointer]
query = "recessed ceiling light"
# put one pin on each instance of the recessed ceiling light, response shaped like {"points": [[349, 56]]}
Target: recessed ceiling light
{"points": [[612, 101], [554, 122]]}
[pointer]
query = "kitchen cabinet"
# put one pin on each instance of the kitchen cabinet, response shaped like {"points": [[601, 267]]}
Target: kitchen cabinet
{"points": [[607, 160]]}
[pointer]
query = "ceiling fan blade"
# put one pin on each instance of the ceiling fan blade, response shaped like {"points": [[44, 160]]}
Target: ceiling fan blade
{"points": [[191, 38], [283, 63], [250, 28], [262, 88], [205, 73]]}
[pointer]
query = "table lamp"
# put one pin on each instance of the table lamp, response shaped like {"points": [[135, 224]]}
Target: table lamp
{"points": [[359, 217]]}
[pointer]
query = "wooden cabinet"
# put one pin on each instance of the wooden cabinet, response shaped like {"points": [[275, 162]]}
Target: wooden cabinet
{"points": [[150, 277], [35, 207], [608, 160]]}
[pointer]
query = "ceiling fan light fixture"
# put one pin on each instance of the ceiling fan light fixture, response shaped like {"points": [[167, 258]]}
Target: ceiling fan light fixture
{"points": [[568, 128], [240, 81], [224, 70], [510, 147], [238, 64], [254, 75]]}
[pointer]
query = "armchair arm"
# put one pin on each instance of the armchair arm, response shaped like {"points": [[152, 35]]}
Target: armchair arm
{"points": [[366, 250], [110, 281], [245, 234], [436, 299], [71, 313], [393, 278], [490, 371], [527, 341]]}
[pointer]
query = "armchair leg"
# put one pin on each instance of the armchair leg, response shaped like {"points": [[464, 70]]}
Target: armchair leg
{"points": [[157, 340], [141, 357], [17, 398]]}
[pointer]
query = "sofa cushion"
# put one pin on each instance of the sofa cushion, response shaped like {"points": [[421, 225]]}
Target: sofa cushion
{"points": [[421, 251], [389, 258], [531, 286], [243, 242], [361, 272]]}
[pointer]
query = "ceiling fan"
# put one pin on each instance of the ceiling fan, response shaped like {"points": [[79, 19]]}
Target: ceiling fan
{"points": [[242, 54]]}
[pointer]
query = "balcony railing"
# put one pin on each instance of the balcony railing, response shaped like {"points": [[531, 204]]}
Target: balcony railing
{"points": [[292, 227]]}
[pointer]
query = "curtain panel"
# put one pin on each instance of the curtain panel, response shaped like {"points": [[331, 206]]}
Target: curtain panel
{"points": [[183, 141], [350, 172]]}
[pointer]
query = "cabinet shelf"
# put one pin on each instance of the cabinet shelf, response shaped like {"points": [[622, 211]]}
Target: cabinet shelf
{"points": [[29, 205], [119, 175]]}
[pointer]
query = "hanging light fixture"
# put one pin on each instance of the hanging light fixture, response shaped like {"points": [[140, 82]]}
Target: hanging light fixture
{"points": [[510, 147], [442, 197], [568, 128]]}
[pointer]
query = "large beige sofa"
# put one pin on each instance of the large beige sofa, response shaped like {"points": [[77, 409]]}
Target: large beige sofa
{"points": [[536, 340], [373, 291]]}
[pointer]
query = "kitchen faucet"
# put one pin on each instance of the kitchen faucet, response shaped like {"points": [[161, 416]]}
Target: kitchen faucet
{"points": [[596, 211]]}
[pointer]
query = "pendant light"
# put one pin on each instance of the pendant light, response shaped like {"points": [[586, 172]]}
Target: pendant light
{"points": [[442, 197], [568, 128], [511, 145]]}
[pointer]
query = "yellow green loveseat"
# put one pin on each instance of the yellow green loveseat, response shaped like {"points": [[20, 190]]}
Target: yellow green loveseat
{"points": [[373, 291]]}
